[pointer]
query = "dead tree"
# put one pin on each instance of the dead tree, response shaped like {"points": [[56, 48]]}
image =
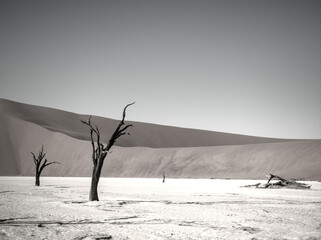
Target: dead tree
{"points": [[100, 151], [40, 165], [282, 183]]}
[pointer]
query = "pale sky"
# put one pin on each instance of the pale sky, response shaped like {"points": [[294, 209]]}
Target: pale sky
{"points": [[248, 67]]}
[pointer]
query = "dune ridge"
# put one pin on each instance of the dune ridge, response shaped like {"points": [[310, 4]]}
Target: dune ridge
{"points": [[151, 149]]}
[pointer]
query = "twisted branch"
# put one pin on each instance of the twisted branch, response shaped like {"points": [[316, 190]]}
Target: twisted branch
{"points": [[96, 150], [119, 131]]}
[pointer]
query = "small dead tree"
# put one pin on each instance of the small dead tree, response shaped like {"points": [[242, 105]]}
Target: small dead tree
{"points": [[99, 151], [40, 165]]}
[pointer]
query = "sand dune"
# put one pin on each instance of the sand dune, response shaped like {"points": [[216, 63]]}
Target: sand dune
{"points": [[148, 151], [143, 134]]}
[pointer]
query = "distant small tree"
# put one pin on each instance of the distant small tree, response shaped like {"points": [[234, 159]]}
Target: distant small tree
{"points": [[99, 151], [164, 176], [40, 165]]}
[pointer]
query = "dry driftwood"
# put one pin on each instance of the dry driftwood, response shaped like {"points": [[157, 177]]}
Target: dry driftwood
{"points": [[282, 183]]}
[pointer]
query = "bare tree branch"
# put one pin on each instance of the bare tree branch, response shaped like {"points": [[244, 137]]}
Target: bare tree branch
{"points": [[51, 163], [124, 128], [34, 158], [89, 124], [96, 150], [47, 164], [41, 154], [124, 112], [43, 166]]}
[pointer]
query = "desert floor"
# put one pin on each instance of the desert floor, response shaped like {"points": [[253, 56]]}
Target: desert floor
{"points": [[149, 209]]}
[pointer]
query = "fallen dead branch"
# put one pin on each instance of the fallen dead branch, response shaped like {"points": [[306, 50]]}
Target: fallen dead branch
{"points": [[281, 183]]}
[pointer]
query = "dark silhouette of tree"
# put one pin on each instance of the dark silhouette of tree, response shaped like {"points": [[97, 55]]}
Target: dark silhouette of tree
{"points": [[164, 176], [99, 151], [40, 165]]}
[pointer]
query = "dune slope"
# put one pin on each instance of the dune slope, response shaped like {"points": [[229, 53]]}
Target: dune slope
{"points": [[150, 150], [143, 134]]}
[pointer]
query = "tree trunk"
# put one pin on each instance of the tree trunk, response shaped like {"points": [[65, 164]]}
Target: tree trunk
{"points": [[37, 179], [93, 194]]}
